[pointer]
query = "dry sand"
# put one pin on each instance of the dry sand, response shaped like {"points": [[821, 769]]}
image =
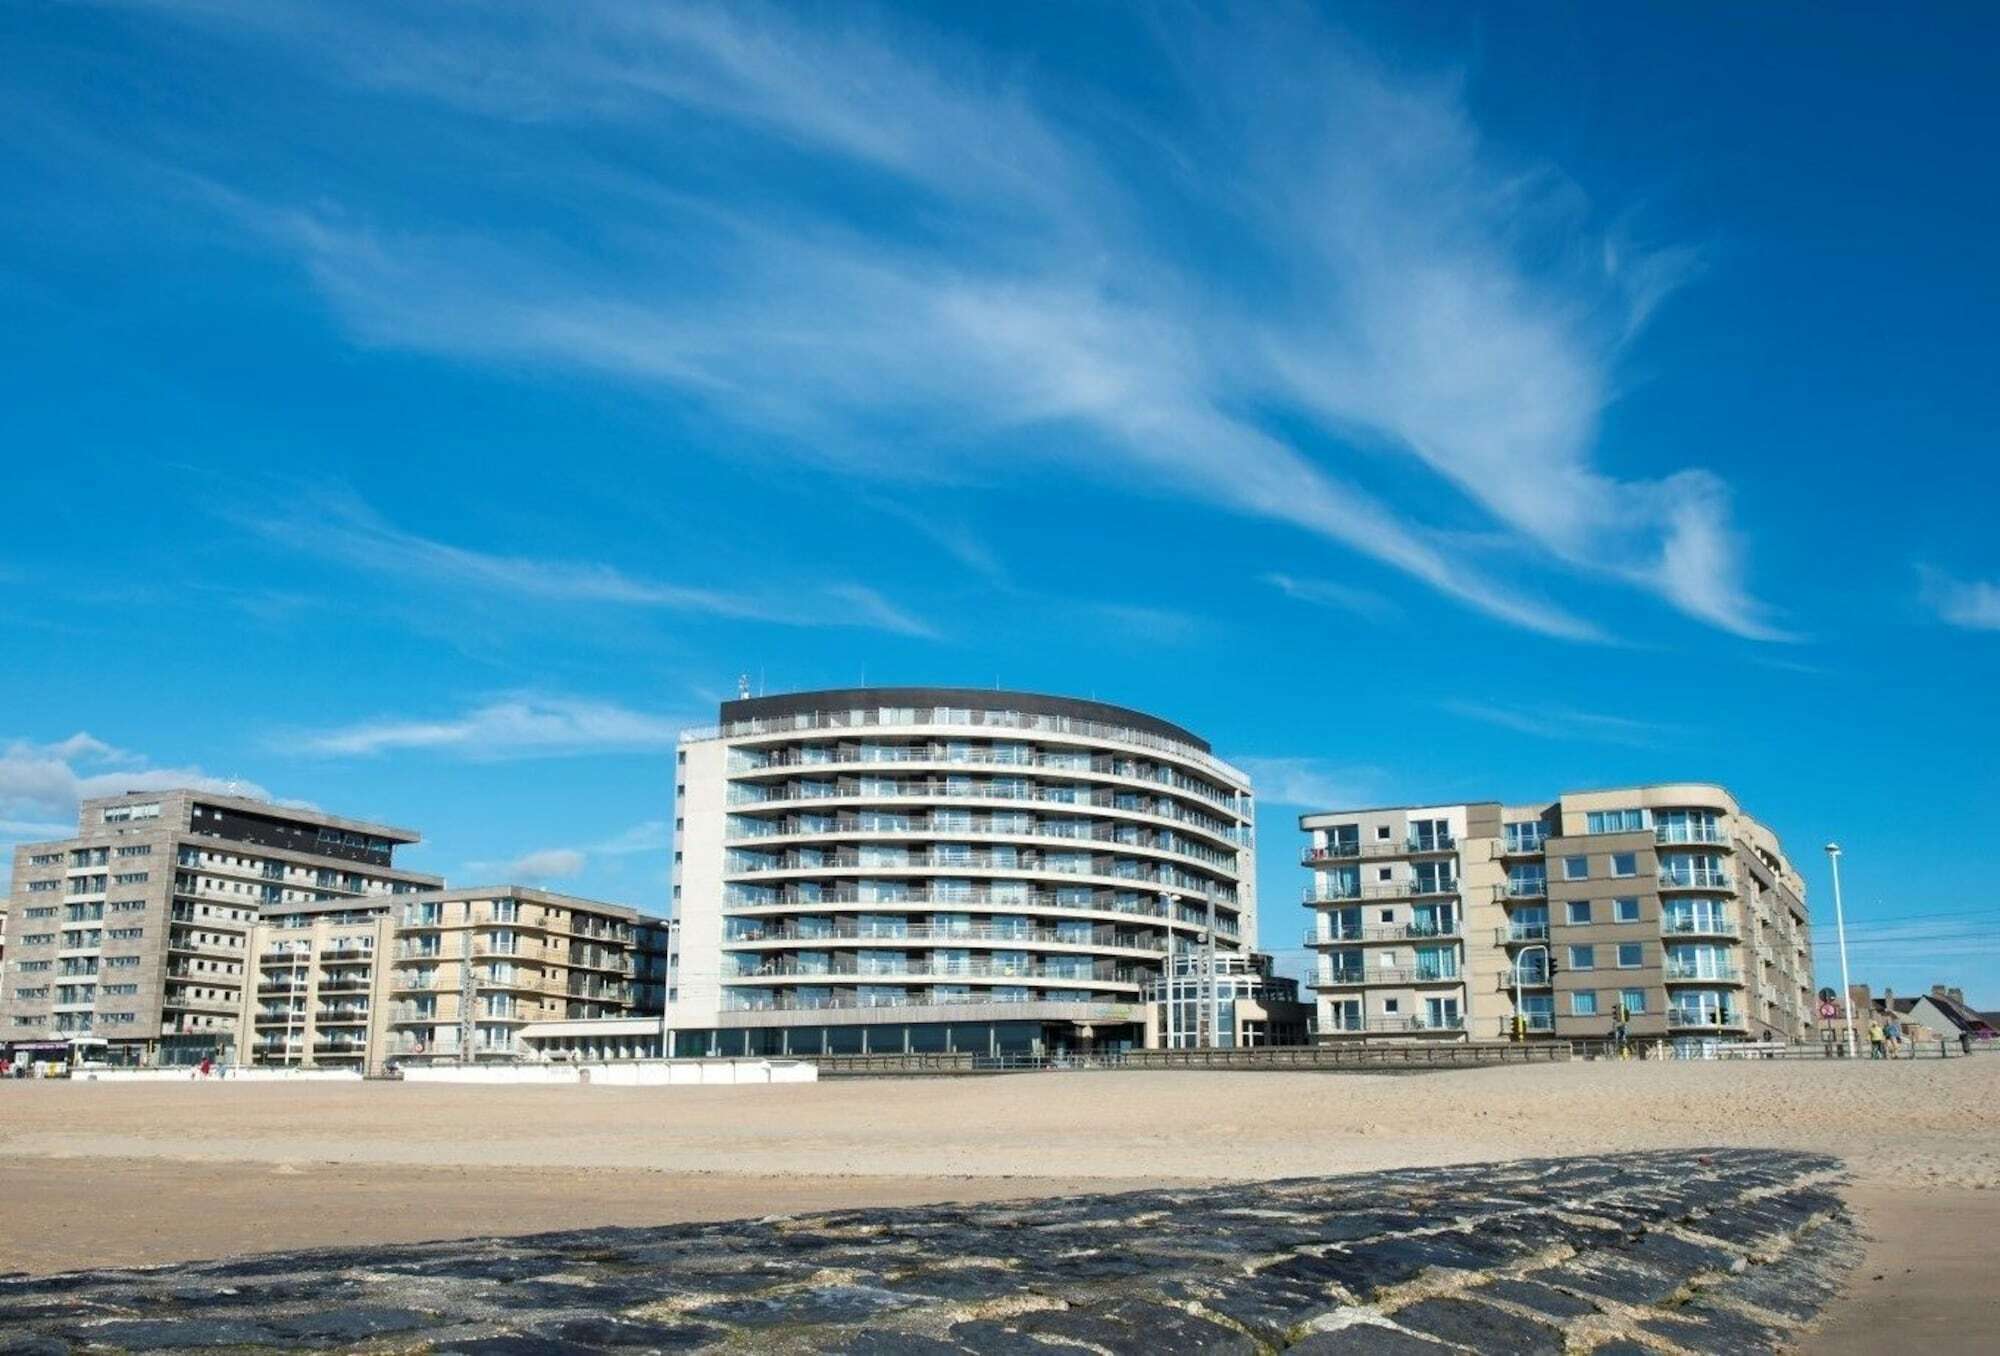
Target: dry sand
{"points": [[96, 1173]]}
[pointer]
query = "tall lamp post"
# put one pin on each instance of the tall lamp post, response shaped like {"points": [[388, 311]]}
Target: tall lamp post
{"points": [[1840, 931], [1520, 1020]]}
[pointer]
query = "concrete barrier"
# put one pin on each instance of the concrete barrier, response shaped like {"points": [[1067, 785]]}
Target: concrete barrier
{"points": [[623, 1073]]}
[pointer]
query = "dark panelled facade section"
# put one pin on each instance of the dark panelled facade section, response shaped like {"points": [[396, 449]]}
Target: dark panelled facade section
{"points": [[975, 699], [217, 821]]}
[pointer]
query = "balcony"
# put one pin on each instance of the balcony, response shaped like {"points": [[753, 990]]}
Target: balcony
{"points": [[1384, 932], [1526, 887], [945, 934], [1534, 1023], [1345, 1024], [1689, 835], [1696, 880], [1701, 974], [1695, 1019], [1697, 926], [1514, 934], [1347, 978], [1530, 976]]}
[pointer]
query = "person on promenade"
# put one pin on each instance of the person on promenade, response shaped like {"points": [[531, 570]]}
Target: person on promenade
{"points": [[1876, 1035], [1893, 1033]]}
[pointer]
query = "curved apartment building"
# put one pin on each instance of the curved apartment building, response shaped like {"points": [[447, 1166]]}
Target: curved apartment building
{"points": [[949, 869]]}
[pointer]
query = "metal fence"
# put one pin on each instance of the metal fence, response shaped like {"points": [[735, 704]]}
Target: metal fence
{"points": [[1414, 1055]]}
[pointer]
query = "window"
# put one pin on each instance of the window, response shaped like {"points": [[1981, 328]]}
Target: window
{"points": [[1383, 873], [1576, 868], [1631, 955], [1625, 910], [1382, 832], [1526, 836], [131, 878], [1392, 1005], [1579, 912], [1583, 1003], [1633, 1001], [1615, 821], [1583, 958], [1624, 863]]}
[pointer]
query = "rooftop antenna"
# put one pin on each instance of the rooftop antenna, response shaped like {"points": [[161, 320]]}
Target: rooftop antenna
{"points": [[742, 687]]}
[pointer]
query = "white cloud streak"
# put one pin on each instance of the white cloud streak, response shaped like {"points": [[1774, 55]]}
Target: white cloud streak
{"points": [[532, 868], [1970, 604], [1329, 594], [1560, 722], [1394, 281], [343, 528], [524, 726], [1306, 783]]}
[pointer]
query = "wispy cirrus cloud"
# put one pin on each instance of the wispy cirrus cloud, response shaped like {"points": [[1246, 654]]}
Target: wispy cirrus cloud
{"points": [[1366, 263], [1308, 783], [342, 527], [1560, 722], [523, 726], [1331, 594], [1970, 604]]}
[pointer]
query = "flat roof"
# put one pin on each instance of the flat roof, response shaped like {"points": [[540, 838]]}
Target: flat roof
{"points": [[301, 814], [967, 698], [533, 895]]}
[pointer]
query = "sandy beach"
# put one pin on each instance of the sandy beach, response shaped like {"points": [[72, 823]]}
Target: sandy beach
{"points": [[96, 1174]]}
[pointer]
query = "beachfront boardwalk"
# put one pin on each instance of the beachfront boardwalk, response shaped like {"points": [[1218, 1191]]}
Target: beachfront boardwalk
{"points": [[1708, 1251]]}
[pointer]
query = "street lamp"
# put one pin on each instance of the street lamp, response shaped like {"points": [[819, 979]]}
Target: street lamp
{"points": [[1520, 1021], [1840, 930]]}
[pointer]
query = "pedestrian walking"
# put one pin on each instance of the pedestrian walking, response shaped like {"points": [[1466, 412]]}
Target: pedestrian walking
{"points": [[1876, 1037]]}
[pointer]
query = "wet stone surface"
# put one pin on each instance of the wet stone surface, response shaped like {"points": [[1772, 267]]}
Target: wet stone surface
{"points": [[1696, 1252]]}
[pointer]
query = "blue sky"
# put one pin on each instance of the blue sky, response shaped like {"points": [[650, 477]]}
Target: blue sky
{"points": [[425, 411]]}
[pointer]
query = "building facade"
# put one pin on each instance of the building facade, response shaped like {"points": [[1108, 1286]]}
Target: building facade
{"points": [[130, 942], [444, 974], [1665, 907], [469, 968], [949, 869]]}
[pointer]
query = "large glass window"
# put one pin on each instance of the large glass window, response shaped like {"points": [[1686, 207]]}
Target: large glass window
{"points": [[1526, 836], [1583, 958], [1576, 868], [1615, 821], [1583, 1003]]}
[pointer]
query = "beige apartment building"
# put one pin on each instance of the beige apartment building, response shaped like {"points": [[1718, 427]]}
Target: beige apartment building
{"points": [[444, 975], [470, 968], [130, 942], [1666, 908]]}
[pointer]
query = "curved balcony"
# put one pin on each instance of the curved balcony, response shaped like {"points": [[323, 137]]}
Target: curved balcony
{"points": [[933, 972], [939, 727], [1097, 1008], [808, 796], [1037, 903], [941, 935], [1031, 839], [1694, 1019], [986, 866]]}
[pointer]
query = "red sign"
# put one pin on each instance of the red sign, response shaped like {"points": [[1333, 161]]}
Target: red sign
{"points": [[1829, 1011]]}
